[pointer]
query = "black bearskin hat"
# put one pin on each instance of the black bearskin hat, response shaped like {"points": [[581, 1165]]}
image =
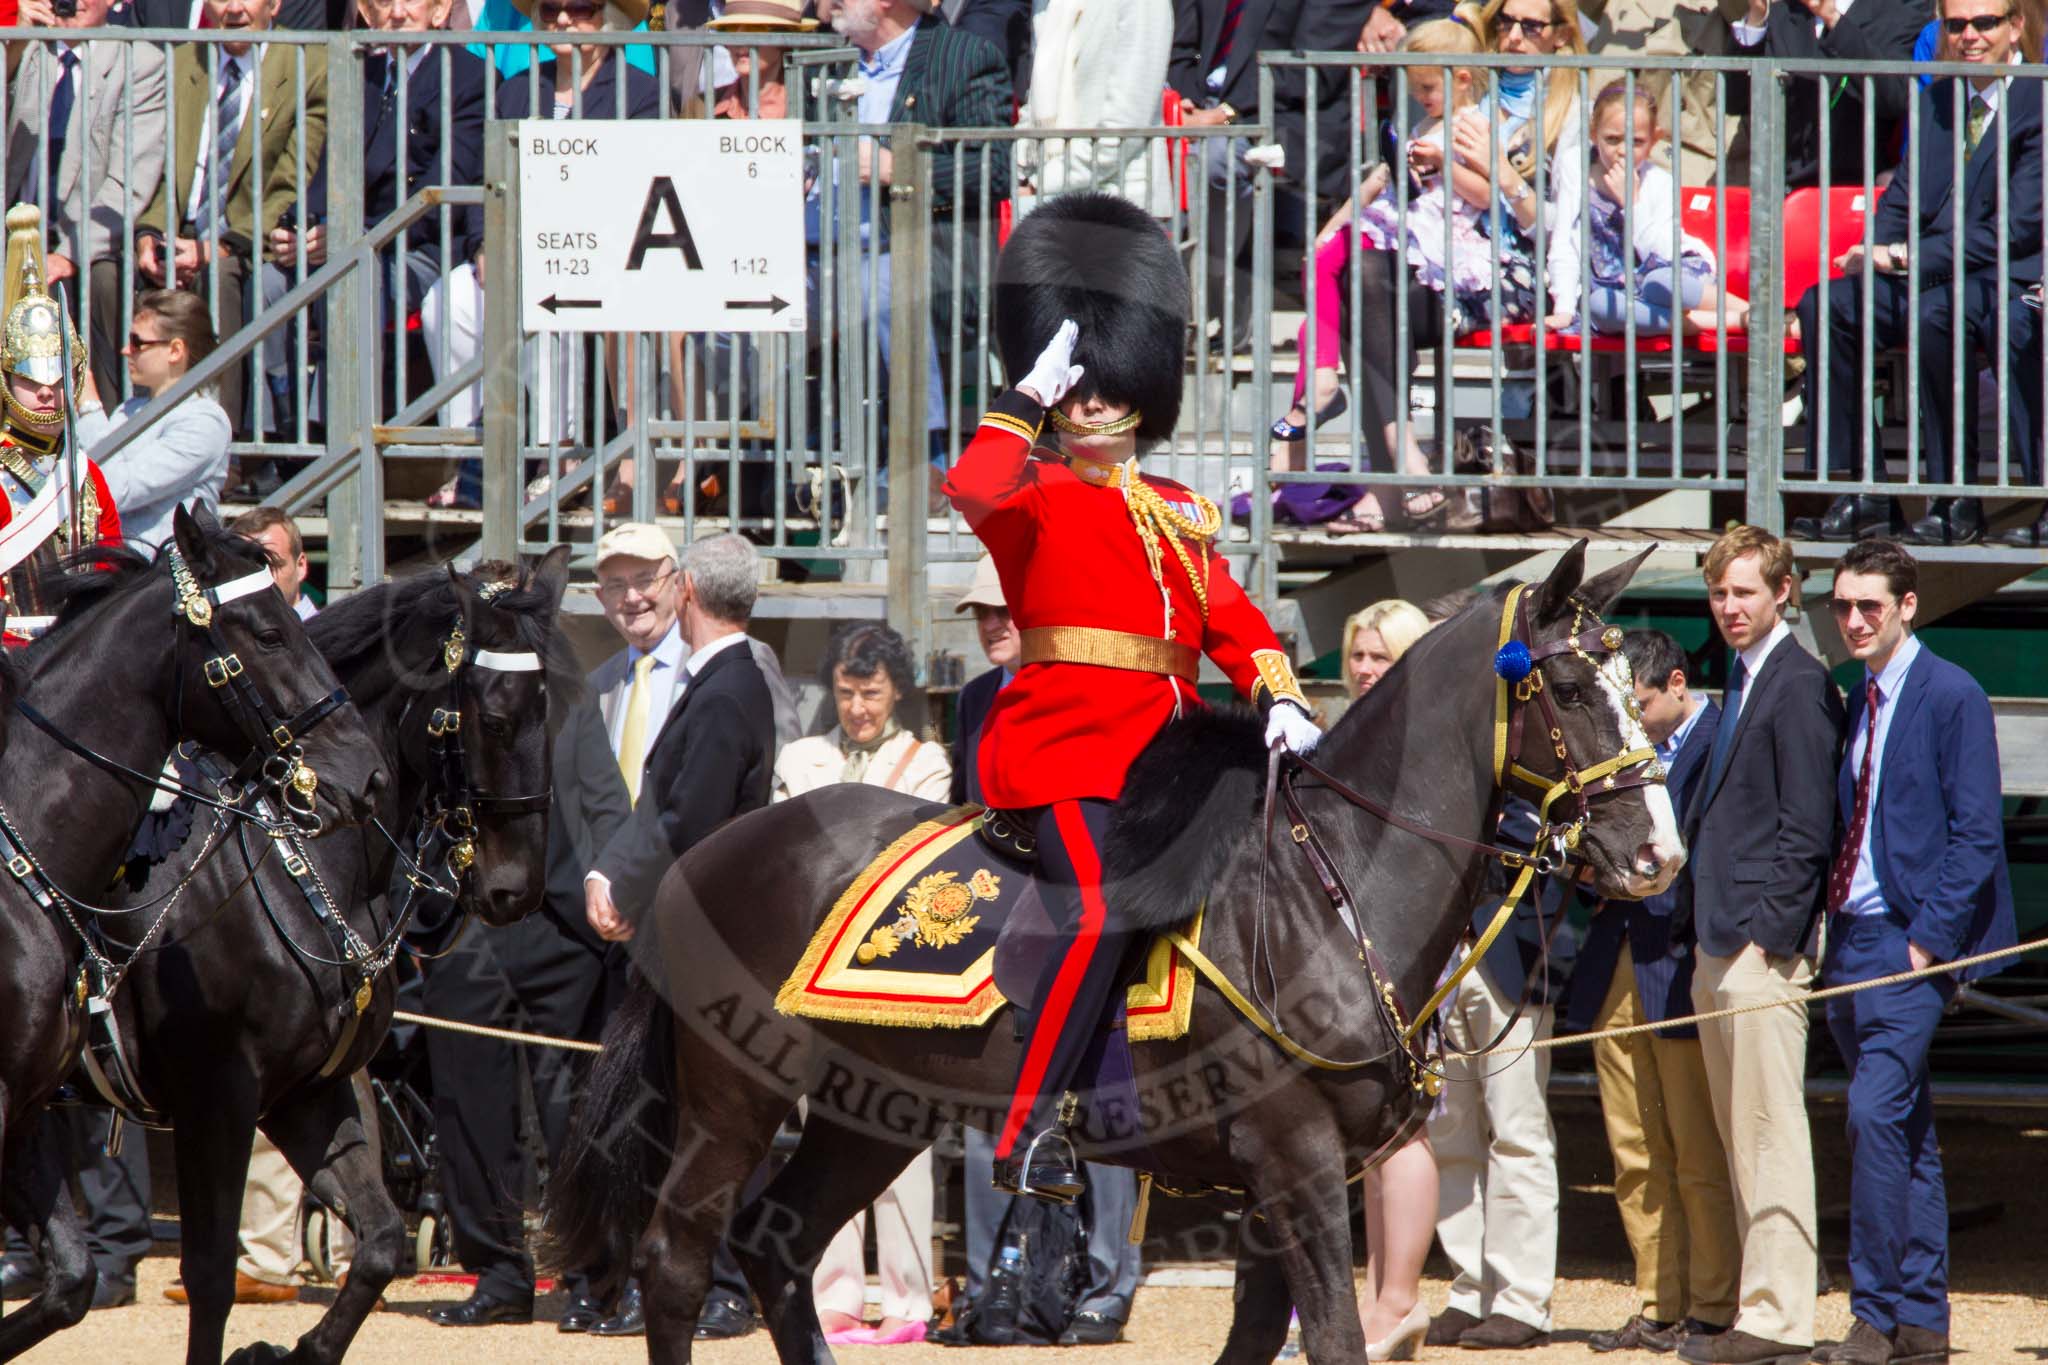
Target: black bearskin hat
{"points": [[1107, 264]]}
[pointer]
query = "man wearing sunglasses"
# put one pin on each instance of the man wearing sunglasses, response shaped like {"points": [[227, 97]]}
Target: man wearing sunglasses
{"points": [[1919, 878], [1984, 131]]}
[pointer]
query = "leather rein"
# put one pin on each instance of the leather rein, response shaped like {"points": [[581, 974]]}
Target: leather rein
{"points": [[1519, 684]]}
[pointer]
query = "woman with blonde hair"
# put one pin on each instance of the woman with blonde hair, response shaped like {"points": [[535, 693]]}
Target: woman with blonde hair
{"points": [[1375, 637]]}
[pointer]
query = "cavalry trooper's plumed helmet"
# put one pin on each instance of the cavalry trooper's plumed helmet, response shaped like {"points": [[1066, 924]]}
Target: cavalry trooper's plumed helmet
{"points": [[1107, 264], [33, 342]]}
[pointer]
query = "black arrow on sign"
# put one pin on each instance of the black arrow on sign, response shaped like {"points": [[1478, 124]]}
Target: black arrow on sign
{"points": [[774, 304], [555, 305]]}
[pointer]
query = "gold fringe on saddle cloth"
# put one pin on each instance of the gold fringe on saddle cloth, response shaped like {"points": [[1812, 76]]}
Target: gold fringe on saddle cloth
{"points": [[911, 942]]}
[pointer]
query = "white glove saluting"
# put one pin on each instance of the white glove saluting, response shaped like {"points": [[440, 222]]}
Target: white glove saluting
{"points": [[1288, 724], [1055, 372]]}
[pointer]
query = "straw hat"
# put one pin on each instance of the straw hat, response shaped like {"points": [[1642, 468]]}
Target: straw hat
{"points": [[621, 15], [763, 16]]}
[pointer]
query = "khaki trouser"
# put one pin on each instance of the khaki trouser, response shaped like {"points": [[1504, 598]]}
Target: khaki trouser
{"points": [[271, 1235], [1756, 1069], [1496, 1156], [903, 1252], [1670, 1172]]}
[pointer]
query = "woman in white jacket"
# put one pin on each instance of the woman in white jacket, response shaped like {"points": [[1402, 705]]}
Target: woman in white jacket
{"points": [[1099, 64], [869, 670]]}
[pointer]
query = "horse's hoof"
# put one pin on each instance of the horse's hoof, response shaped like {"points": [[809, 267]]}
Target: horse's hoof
{"points": [[261, 1353]]}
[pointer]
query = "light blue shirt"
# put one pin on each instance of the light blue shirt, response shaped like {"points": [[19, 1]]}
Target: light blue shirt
{"points": [[182, 458], [669, 652], [881, 74], [1866, 897], [1667, 752]]}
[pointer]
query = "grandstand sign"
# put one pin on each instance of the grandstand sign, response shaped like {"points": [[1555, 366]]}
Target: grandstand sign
{"points": [[687, 225]]}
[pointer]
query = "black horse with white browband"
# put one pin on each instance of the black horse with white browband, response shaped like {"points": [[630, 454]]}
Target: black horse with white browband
{"points": [[271, 988], [1284, 1085], [123, 676]]}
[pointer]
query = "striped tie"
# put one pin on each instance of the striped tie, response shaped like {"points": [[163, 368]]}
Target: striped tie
{"points": [[226, 132], [1233, 14]]}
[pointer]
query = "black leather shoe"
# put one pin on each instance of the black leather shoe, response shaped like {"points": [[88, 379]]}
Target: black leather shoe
{"points": [[113, 1291], [481, 1310], [1090, 1328], [1446, 1327], [1499, 1332], [19, 1281], [1637, 1334], [1053, 1174], [724, 1317], [1852, 517], [581, 1315], [629, 1319], [1950, 521], [2031, 537]]}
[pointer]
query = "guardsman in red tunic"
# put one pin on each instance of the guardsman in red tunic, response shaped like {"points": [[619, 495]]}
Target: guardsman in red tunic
{"points": [[37, 525], [1117, 590]]}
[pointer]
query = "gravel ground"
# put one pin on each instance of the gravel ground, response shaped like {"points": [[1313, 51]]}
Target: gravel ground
{"points": [[1998, 1199], [1168, 1327]]}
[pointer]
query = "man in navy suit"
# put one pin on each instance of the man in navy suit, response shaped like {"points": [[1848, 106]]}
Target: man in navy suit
{"points": [[1760, 826], [1670, 1172], [1979, 120], [1919, 879]]}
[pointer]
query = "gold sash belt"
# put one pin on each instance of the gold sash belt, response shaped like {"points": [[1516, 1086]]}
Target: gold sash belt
{"points": [[1110, 649]]}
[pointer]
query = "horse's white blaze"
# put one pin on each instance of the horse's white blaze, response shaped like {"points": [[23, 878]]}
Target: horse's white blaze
{"points": [[1617, 684]]}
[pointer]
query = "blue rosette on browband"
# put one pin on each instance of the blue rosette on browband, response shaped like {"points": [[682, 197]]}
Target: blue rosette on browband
{"points": [[1512, 661]]}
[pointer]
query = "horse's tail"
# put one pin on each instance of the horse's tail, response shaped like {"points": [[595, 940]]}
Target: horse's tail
{"points": [[601, 1193]]}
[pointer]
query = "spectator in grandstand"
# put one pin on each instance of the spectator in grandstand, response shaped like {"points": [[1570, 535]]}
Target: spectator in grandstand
{"points": [[1215, 70], [86, 98], [1629, 234], [1865, 31], [1979, 122], [235, 106], [1099, 66], [1687, 105], [1919, 878], [1387, 23], [1010, 27], [868, 673], [915, 68], [2029, 387], [1670, 1172], [554, 367], [183, 457], [517, 16], [1466, 270], [403, 96], [1111, 1199], [274, 529], [1759, 827]]}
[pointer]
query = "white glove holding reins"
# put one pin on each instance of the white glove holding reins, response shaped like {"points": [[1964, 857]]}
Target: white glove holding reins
{"points": [[1055, 372], [1288, 724]]}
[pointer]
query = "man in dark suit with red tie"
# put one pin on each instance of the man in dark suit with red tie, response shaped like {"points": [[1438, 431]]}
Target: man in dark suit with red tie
{"points": [[1919, 879]]}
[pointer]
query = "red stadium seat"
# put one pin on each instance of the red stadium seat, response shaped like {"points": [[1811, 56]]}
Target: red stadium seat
{"points": [[1805, 254]]}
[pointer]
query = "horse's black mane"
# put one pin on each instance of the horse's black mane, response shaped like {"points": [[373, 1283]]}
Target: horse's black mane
{"points": [[1193, 798], [96, 573], [357, 626]]}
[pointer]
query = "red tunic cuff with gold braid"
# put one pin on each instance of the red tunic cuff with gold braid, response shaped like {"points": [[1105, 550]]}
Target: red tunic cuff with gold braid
{"points": [[1016, 412], [1275, 681]]}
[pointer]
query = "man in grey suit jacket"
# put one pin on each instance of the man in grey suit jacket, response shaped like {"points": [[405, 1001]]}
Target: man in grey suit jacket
{"points": [[98, 169]]}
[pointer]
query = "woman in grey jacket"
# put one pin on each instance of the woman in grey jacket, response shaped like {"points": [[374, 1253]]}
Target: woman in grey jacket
{"points": [[183, 456]]}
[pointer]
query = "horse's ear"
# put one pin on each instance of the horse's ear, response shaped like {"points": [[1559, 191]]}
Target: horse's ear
{"points": [[1553, 599], [1603, 590], [465, 598], [189, 530], [551, 576]]}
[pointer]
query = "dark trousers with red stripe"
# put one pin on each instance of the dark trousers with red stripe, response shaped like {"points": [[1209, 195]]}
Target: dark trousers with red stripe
{"points": [[1079, 985]]}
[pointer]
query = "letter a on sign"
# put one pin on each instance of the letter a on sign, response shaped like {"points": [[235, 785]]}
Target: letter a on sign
{"points": [[661, 198]]}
